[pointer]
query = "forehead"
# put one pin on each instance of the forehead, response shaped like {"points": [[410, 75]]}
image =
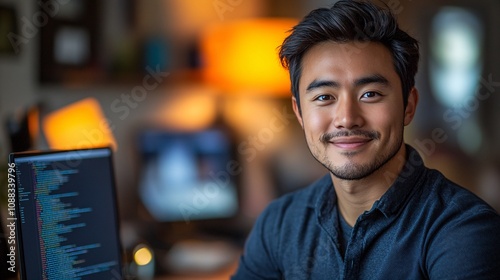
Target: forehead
{"points": [[346, 62]]}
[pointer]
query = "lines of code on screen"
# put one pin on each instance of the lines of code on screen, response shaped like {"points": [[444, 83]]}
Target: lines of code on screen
{"points": [[68, 220]]}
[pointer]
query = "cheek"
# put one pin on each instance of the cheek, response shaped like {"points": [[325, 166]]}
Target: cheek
{"points": [[388, 124], [316, 122]]}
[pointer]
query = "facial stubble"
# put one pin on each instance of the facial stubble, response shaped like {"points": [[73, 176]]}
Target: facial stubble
{"points": [[351, 170]]}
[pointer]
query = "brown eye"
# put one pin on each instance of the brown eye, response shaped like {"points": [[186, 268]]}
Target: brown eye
{"points": [[370, 95], [323, 97]]}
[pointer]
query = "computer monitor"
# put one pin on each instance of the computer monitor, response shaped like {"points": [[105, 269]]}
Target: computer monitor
{"points": [[188, 177], [66, 215]]}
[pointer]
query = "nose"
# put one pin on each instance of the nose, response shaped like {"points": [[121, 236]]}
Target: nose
{"points": [[347, 114]]}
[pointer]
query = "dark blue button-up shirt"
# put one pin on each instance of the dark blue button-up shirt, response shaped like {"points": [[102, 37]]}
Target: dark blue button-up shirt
{"points": [[423, 227]]}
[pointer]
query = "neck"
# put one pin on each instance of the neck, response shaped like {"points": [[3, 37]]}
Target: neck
{"points": [[354, 197]]}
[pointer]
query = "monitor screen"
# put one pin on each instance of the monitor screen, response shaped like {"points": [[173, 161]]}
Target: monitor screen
{"points": [[66, 215], [187, 176]]}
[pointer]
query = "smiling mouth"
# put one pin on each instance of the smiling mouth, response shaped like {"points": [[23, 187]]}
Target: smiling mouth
{"points": [[350, 140], [350, 143]]}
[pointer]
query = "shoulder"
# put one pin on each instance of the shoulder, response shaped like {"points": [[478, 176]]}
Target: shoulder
{"points": [[281, 219], [292, 214], [463, 237], [448, 204], [451, 197], [300, 201], [293, 206]]}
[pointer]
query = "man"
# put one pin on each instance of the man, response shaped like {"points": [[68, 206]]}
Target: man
{"points": [[380, 213]]}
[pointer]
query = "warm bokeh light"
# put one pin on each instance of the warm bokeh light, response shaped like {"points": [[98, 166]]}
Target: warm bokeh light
{"points": [[193, 108], [242, 56], [249, 115], [143, 256], [33, 122], [77, 126]]}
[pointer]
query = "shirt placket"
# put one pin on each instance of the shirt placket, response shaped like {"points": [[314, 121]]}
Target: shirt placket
{"points": [[355, 250]]}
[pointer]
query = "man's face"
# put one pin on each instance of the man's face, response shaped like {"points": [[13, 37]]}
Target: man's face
{"points": [[352, 108]]}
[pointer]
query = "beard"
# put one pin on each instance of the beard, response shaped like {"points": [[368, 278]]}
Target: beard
{"points": [[353, 171]]}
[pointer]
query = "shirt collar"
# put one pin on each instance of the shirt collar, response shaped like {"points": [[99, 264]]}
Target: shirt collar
{"points": [[327, 198], [405, 184]]}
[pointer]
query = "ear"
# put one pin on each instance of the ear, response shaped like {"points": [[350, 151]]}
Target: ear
{"points": [[411, 107], [297, 112]]}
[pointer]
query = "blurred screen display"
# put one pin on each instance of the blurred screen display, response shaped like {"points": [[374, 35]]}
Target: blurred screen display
{"points": [[184, 175]]}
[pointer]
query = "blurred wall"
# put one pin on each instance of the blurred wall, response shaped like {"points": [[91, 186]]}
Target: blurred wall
{"points": [[459, 139]]}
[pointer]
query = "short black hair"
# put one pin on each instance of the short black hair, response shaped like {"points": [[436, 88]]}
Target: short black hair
{"points": [[348, 21]]}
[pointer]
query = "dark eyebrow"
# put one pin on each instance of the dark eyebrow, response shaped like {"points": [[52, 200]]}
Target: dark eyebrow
{"points": [[372, 79], [321, 83]]}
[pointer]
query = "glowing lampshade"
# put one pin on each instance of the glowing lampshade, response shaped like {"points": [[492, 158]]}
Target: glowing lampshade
{"points": [[242, 56], [78, 125]]}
